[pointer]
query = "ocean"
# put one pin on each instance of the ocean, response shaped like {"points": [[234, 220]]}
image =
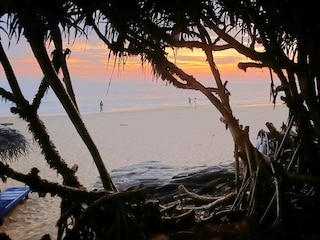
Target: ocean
{"points": [[138, 95], [136, 146]]}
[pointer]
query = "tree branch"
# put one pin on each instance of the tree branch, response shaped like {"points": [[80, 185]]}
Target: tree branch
{"points": [[12, 80], [37, 45], [43, 187], [234, 43], [200, 45], [245, 65]]}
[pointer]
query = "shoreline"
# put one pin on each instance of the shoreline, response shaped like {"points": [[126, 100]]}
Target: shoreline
{"points": [[163, 108], [116, 128], [185, 137]]}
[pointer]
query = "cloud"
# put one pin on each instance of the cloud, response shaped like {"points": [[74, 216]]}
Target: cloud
{"points": [[90, 59]]}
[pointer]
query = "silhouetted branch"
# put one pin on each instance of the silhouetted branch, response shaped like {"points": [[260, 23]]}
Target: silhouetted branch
{"points": [[39, 50], [245, 65], [43, 187]]}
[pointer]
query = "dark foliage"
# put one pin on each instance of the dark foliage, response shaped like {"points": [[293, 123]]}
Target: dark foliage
{"points": [[280, 35]]}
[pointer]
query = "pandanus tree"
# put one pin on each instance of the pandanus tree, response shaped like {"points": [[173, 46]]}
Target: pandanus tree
{"points": [[277, 35], [37, 27]]}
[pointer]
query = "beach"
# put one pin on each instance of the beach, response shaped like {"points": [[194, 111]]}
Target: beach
{"points": [[175, 136]]}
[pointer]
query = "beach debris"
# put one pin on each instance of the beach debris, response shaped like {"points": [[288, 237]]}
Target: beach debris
{"points": [[262, 142], [10, 198], [194, 203]]}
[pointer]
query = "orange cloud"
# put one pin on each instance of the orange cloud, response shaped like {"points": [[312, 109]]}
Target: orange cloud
{"points": [[89, 59], [195, 62]]}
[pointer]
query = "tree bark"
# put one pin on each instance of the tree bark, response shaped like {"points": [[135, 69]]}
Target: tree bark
{"points": [[29, 113], [38, 48]]}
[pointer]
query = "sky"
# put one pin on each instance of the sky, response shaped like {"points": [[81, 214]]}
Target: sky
{"points": [[89, 62]]}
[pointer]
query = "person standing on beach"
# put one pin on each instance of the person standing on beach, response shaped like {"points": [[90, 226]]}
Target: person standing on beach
{"points": [[101, 106]]}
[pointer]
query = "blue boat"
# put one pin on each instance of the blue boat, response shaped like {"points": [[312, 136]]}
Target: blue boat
{"points": [[10, 198]]}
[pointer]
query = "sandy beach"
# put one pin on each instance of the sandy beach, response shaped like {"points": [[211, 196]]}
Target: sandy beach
{"points": [[184, 136]]}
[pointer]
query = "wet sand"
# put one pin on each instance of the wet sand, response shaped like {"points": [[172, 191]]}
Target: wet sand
{"points": [[176, 137]]}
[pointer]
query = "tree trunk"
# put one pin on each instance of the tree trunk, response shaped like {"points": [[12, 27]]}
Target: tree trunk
{"points": [[37, 45], [27, 112]]}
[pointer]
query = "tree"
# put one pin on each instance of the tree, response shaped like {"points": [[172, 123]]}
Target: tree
{"points": [[24, 18], [274, 34], [277, 35]]}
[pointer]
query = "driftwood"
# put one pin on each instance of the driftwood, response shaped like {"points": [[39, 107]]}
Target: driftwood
{"points": [[141, 217], [239, 205], [185, 193]]}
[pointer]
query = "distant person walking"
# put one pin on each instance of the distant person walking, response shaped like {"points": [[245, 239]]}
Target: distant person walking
{"points": [[190, 101], [195, 102], [101, 106]]}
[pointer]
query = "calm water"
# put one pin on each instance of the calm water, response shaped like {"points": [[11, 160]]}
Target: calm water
{"points": [[124, 96]]}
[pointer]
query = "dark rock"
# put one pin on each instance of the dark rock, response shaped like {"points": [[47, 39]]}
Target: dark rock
{"points": [[161, 181]]}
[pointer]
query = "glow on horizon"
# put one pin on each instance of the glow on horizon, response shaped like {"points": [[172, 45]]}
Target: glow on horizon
{"points": [[89, 61]]}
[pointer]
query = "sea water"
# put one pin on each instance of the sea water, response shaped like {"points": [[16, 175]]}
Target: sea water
{"points": [[137, 95]]}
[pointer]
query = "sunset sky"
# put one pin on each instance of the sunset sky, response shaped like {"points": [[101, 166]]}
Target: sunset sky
{"points": [[89, 62]]}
